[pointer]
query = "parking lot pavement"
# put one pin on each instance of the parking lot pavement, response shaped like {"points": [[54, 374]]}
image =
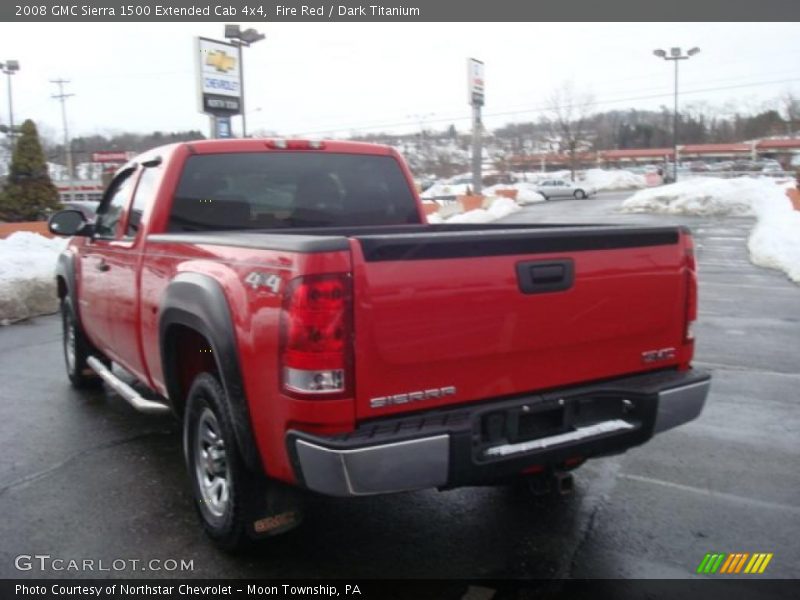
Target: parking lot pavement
{"points": [[84, 476]]}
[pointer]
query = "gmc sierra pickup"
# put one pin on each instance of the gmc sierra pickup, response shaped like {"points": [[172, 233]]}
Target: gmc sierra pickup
{"points": [[288, 301]]}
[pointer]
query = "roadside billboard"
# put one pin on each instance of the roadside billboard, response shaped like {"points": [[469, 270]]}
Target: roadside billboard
{"points": [[219, 86], [475, 82]]}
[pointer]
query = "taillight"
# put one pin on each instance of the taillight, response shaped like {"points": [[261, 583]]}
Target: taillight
{"points": [[691, 289], [281, 144], [316, 336]]}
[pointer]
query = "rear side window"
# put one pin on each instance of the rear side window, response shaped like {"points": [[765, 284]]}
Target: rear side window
{"points": [[290, 189]]}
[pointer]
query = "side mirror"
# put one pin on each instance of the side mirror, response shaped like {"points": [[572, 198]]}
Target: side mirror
{"points": [[69, 222]]}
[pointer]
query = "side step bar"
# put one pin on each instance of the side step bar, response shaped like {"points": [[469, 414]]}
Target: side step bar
{"points": [[123, 389]]}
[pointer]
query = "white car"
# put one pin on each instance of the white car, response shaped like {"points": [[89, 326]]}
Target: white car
{"points": [[559, 188]]}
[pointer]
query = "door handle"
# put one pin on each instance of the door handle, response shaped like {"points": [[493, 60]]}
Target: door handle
{"points": [[102, 265], [536, 277]]}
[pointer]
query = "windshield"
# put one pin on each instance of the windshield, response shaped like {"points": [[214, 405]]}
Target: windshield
{"points": [[290, 189]]}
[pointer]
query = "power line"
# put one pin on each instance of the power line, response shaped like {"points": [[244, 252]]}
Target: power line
{"points": [[545, 108]]}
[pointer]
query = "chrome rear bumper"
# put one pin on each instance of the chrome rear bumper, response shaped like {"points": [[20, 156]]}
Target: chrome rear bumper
{"points": [[445, 456]]}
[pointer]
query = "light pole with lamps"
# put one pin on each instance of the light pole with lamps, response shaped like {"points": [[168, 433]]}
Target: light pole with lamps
{"points": [[675, 55], [242, 38], [9, 68]]}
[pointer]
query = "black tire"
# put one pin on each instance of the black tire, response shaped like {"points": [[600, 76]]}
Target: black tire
{"points": [[77, 349], [579, 194], [226, 514]]}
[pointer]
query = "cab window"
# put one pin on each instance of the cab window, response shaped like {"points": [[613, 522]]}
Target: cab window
{"points": [[110, 211]]}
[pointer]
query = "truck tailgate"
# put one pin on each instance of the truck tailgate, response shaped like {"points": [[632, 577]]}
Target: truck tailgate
{"points": [[452, 317]]}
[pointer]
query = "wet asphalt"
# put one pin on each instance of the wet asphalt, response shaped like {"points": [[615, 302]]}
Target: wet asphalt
{"points": [[83, 476]]}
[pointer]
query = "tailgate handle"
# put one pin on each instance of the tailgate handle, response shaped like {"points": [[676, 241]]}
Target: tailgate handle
{"points": [[539, 276]]}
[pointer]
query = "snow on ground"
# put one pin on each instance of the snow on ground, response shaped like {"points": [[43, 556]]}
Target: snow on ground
{"points": [[774, 241], [526, 192], [616, 179], [445, 190], [499, 208], [27, 275], [703, 196]]}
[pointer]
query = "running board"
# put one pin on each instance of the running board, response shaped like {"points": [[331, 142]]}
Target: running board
{"points": [[123, 389]]}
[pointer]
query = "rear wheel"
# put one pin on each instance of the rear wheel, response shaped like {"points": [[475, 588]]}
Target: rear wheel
{"points": [[77, 349], [236, 505], [579, 194]]}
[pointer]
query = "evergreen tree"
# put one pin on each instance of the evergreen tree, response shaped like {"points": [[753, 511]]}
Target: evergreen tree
{"points": [[29, 192]]}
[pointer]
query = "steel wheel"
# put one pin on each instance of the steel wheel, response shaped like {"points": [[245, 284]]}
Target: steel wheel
{"points": [[211, 464]]}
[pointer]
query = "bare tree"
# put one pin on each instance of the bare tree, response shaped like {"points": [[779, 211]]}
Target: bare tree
{"points": [[791, 109], [569, 111]]}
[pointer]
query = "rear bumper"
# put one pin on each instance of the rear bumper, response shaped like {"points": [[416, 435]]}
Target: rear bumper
{"points": [[492, 441]]}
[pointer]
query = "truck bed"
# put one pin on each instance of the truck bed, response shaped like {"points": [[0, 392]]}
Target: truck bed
{"points": [[447, 314]]}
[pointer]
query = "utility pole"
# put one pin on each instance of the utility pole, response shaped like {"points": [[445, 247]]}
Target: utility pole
{"points": [[67, 149], [9, 68]]}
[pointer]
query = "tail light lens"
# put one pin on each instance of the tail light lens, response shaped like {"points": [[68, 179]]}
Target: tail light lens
{"points": [[316, 336], [691, 289]]}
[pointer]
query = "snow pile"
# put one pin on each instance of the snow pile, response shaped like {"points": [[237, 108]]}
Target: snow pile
{"points": [[499, 208], [445, 190], [617, 179], [526, 192], [702, 196], [775, 240], [27, 275]]}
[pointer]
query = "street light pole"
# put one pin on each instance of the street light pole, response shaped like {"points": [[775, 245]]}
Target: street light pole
{"points": [[9, 68], [675, 55], [242, 38]]}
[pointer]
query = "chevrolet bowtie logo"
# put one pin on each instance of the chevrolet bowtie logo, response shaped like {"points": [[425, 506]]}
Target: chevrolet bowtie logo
{"points": [[220, 61]]}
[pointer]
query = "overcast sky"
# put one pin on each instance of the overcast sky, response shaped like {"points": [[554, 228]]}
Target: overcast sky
{"points": [[329, 79]]}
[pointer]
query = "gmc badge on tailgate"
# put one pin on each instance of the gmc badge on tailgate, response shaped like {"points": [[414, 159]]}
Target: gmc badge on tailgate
{"points": [[432, 394], [651, 356]]}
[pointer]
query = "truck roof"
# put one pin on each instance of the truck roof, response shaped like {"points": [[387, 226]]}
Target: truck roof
{"points": [[273, 143]]}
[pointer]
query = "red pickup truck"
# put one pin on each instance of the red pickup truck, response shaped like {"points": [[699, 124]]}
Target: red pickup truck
{"points": [[288, 301]]}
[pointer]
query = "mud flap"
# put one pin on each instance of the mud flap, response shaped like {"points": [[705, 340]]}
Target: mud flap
{"points": [[278, 511]]}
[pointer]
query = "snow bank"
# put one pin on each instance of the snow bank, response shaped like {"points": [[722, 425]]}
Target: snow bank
{"points": [[27, 275], [500, 207], [526, 192], [702, 196], [445, 190], [774, 242], [617, 179]]}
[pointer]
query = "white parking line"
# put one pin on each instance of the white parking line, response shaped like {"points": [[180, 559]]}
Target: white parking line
{"points": [[784, 288], [714, 494]]}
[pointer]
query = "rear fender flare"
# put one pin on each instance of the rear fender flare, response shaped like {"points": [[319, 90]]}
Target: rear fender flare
{"points": [[198, 302]]}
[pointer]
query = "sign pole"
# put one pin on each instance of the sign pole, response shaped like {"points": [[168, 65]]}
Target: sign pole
{"points": [[241, 92], [475, 95], [477, 179]]}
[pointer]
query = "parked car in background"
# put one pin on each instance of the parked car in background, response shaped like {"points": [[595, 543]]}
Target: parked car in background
{"points": [[559, 188], [725, 165], [698, 166], [771, 166]]}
